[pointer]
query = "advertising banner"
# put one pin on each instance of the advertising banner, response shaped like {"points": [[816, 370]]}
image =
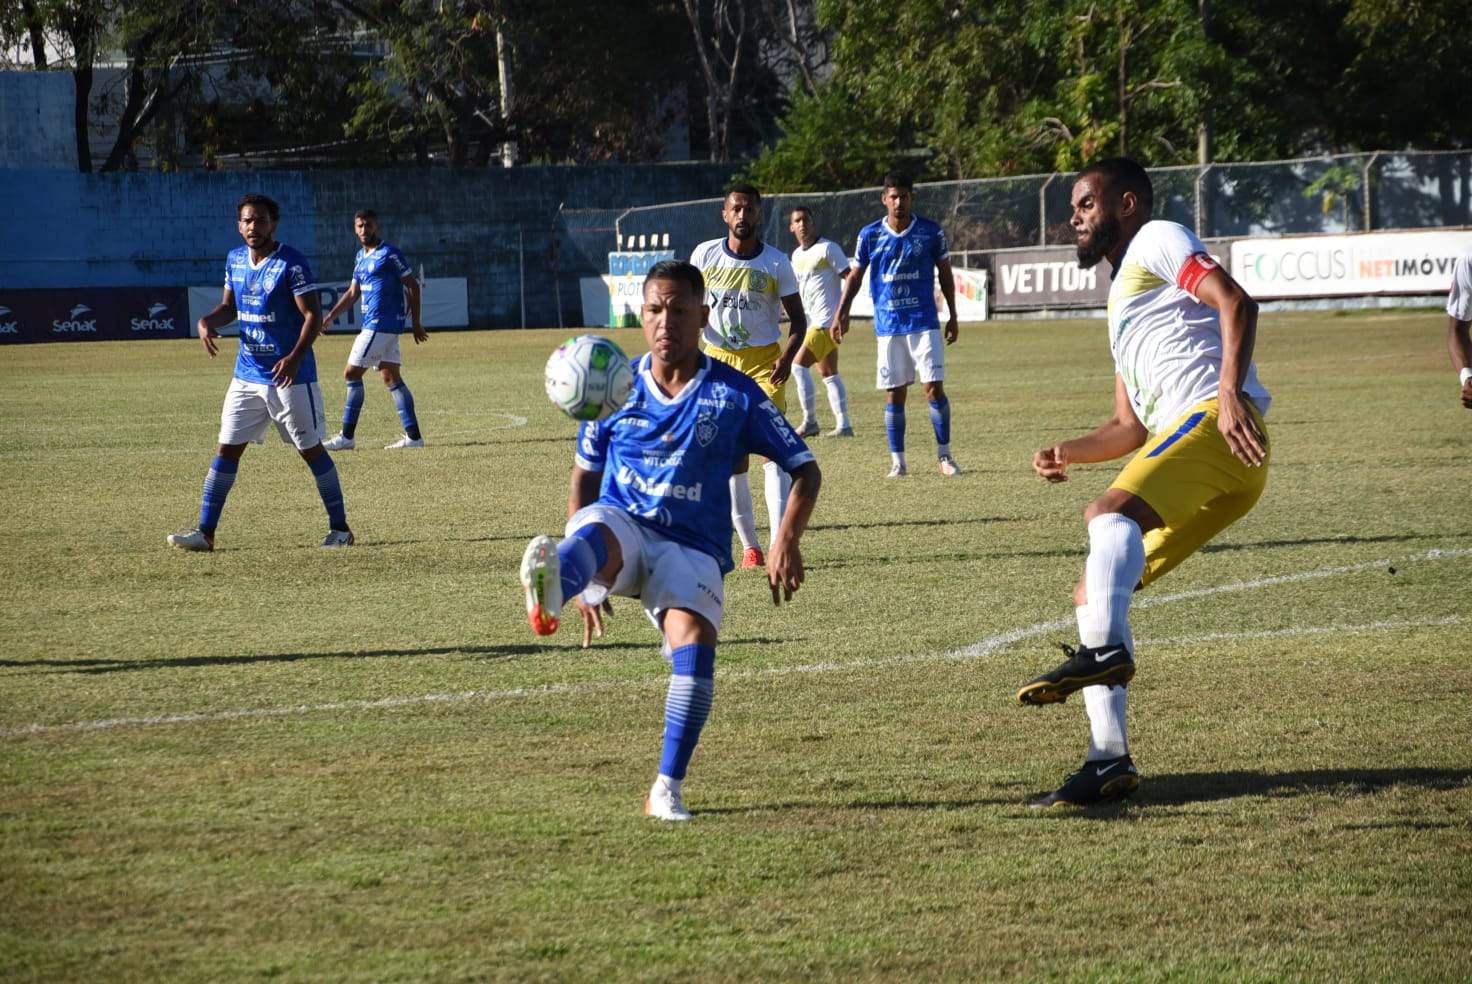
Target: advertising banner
{"points": [[1047, 277], [443, 304], [971, 296], [1332, 266], [92, 313]]}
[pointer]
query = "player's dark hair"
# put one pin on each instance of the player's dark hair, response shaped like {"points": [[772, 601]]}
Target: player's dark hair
{"points": [[798, 208], [366, 213], [743, 188], [259, 202], [679, 270], [1123, 174], [899, 179]]}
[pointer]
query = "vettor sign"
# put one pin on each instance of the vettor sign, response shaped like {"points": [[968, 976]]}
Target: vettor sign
{"points": [[1368, 263]]}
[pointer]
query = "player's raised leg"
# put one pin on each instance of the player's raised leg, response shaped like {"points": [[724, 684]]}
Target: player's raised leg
{"points": [[554, 573]]}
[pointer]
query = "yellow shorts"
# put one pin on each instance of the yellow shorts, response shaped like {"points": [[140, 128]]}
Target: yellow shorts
{"points": [[758, 361], [819, 342], [1194, 482]]}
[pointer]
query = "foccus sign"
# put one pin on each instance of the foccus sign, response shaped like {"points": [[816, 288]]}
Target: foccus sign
{"points": [[1327, 266]]}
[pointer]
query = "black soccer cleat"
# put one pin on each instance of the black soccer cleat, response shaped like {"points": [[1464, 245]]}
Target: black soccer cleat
{"points": [[1099, 781], [1107, 666]]}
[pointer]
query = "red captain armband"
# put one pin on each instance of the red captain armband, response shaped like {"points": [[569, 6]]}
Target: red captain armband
{"points": [[1193, 271]]}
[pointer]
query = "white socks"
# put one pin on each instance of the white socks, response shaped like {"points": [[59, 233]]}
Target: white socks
{"points": [[807, 397], [837, 399], [743, 512], [779, 483], [1116, 561]]}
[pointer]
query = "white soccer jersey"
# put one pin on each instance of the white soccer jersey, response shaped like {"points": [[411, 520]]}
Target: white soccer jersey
{"points": [[1459, 301], [819, 269], [1167, 343], [744, 293]]}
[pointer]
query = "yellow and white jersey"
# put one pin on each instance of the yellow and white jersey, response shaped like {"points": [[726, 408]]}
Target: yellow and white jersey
{"points": [[820, 268], [744, 293], [1459, 300], [1167, 343]]}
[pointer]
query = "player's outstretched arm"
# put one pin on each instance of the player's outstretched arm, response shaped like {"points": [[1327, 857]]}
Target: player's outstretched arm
{"points": [[1239, 334], [209, 326], [839, 327], [344, 301], [1460, 347], [785, 572], [947, 281], [1116, 437]]}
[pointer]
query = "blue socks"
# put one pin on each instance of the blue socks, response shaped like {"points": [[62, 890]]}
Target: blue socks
{"points": [[579, 557], [352, 407], [940, 419], [894, 426], [692, 685], [404, 400], [216, 487], [330, 490]]}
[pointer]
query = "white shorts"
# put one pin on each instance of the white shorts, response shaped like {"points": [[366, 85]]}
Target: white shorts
{"points": [[296, 410], [658, 571], [372, 347], [901, 357]]}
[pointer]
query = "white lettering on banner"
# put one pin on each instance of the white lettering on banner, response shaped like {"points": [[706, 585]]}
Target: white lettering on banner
{"points": [[659, 490], [74, 327], [153, 324], [1365, 263], [1034, 278], [9, 327]]}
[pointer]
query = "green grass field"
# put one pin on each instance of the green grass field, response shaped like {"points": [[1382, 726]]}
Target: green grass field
{"points": [[282, 762]]}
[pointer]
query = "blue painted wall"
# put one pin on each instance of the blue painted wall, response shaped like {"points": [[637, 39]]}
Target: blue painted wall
{"points": [[64, 229]]}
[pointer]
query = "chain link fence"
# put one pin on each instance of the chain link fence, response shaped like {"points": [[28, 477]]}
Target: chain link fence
{"points": [[1333, 194]]}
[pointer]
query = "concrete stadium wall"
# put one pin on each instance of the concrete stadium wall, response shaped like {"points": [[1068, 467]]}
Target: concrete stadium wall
{"points": [[148, 229]]}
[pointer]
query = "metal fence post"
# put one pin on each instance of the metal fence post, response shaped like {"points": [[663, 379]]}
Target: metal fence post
{"points": [[1369, 222], [1043, 210], [521, 267], [1200, 193]]}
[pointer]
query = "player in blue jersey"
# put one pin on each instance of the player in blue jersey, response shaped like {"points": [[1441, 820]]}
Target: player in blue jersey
{"points": [[908, 255], [650, 510], [391, 303], [269, 289]]}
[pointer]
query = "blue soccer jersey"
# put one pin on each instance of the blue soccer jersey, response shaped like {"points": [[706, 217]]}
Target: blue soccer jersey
{"points": [[265, 306], [668, 461], [380, 273], [902, 273]]}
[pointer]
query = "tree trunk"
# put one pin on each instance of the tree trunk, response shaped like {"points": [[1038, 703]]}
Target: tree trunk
{"points": [[36, 29], [82, 80], [503, 66]]}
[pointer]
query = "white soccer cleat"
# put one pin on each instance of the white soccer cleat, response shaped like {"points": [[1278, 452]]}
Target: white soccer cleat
{"points": [[541, 576], [664, 803], [338, 538], [897, 471], [948, 466], [192, 540], [405, 442], [809, 428], [339, 443]]}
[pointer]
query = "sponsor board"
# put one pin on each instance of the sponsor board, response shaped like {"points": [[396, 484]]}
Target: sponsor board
{"points": [[1366, 263], [1050, 277], [444, 303], [89, 313]]}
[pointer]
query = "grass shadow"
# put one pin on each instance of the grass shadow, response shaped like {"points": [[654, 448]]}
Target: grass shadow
{"points": [[1176, 789]]}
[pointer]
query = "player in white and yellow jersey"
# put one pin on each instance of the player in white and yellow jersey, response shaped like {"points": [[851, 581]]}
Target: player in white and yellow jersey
{"points": [[1459, 325], [821, 268], [748, 284], [1187, 397]]}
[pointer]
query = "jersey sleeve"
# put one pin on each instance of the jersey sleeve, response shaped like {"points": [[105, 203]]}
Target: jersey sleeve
{"points": [[770, 435], [786, 276], [400, 264], [592, 453], [836, 257], [941, 250], [300, 274], [1174, 254], [1459, 300], [861, 250], [228, 285]]}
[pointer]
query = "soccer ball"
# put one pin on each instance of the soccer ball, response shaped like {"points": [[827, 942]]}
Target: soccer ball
{"points": [[589, 377]]}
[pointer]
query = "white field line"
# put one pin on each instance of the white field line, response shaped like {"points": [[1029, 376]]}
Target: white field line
{"points": [[984, 647]]}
